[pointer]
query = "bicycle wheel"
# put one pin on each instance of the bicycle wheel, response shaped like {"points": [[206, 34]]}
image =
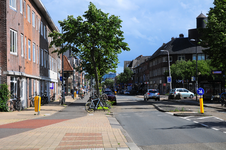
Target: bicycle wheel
{"points": [[9, 106], [32, 103], [19, 106], [88, 106]]}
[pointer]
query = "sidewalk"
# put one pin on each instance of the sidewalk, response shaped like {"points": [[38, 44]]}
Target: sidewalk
{"points": [[96, 130]]}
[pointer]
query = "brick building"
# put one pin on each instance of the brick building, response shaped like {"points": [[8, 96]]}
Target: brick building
{"points": [[27, 65]]}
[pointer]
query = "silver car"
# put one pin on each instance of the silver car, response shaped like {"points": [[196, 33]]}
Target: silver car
{"points": [[181, 93], [152, 94]]}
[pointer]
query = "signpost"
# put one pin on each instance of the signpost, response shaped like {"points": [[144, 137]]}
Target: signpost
{"points": [[200, 92]]}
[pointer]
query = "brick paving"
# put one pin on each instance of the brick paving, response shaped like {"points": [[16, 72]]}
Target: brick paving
{"points": [[88, 132]]}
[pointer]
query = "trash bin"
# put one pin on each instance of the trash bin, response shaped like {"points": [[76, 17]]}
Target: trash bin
{"points": [[37, 102]]}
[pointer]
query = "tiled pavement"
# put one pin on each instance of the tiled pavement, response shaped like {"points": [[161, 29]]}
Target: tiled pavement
{"points": [[93, 131]]}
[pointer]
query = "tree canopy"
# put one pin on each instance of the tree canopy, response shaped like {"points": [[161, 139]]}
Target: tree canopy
{"points": [[125, 76], [187, 69], [214, 35], [96, 40]]}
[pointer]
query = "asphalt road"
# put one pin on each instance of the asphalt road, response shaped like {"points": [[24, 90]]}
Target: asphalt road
{"points": [[151, 129]]}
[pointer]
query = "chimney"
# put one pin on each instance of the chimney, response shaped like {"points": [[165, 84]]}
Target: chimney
{"points": [[181, 35]]}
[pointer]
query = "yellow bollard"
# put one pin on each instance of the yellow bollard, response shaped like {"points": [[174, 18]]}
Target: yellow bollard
{"points": [[37, 102], [74, 94], [201, 105]]}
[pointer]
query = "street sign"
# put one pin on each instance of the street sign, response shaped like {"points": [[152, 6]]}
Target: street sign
{"points": [[200, 91], [169, 79], [60, 78]]}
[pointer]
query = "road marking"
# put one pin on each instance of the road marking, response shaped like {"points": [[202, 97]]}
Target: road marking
{"points": [[195, 122], [225, 132], [169, 113], [215, 129], [219, 118], [205, 117]]}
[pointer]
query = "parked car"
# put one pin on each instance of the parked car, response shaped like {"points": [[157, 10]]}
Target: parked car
{"points": [[126, 92], [180, 93], [111, 97], [152, 94]]}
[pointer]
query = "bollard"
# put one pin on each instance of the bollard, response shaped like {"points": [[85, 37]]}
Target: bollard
{"points": [[74, 94], [37, 102], [201, 105]]}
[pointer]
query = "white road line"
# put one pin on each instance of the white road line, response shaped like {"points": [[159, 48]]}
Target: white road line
{"points": [[170, 113], [205, 117], [215, 129], [219, 118], [224, 132], [195, 122]]}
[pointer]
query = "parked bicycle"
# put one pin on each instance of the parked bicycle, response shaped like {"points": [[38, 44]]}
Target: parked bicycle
{"points": [[44, 98], [223, 99], [52, 98], [17, 103], [94, 102]]}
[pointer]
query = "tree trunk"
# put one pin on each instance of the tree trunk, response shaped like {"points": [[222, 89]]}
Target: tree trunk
{"points": [[96, 73]]}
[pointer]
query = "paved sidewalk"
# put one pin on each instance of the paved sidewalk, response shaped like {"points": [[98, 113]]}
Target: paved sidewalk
{"points": [[95, 130]]}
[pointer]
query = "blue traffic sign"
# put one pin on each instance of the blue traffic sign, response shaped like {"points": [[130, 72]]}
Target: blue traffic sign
{"points": [[60, 78], [200, 91], [169, 79]]}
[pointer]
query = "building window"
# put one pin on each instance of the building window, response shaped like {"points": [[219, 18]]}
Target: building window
{"points": [[33, 18], [42, 57], [181, 57], [41, 28], [25, 46], [13, 87], [201, 56], [21, 6], [165, 59], [33, 52], [28, 13], [25, 9], [12, 4], [29, 49], [22, 44], [171, 58], [13, 41], [44, 32]]}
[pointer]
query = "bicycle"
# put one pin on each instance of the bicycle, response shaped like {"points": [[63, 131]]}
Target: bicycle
{"points": [[32, 101], [44, 99], [17, 104], [52, 98], [223, 99], [92, 104]]}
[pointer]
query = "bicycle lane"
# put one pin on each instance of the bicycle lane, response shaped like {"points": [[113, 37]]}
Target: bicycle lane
{"points": [[69, 128]]}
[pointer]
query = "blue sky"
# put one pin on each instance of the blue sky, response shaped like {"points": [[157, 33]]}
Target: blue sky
{"points": [[147, 24]]}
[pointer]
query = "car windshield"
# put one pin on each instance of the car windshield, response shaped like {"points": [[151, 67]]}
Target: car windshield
{"points": [[153, 91], [108, 92]]}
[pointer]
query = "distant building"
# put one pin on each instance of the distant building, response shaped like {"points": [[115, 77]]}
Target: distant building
{"points": [[109, 76]]}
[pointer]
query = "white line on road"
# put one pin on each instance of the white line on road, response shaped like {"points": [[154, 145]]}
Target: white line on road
{"points": [[205, 117], [215, 129], [195, 122]]}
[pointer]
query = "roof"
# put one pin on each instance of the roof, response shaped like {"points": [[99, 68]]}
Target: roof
{"points": [[138, 61], [201, 16], [178, 46], [45, 13], [67, 65]]}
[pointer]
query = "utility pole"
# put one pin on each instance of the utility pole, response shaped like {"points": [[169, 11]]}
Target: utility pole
{"points": [[63, 97]]}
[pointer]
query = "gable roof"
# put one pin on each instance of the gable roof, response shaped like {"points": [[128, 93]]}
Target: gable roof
{"points": [[67, 65]]}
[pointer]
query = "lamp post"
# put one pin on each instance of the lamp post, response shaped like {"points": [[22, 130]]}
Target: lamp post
{"points": [[196, 58], [169, 67]]}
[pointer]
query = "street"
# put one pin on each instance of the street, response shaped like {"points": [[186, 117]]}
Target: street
{"points": [[151, 129]]}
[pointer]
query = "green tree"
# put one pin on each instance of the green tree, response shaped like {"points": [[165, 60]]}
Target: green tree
{"points": [[125, 76], [97, 40], [187, 69], [109, 83], [213, 37]]}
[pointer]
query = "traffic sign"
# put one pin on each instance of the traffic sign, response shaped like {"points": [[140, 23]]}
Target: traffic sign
{"points": [[200, 91], [169, 79]]}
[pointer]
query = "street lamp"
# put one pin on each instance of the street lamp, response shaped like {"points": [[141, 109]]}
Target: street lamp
{"points": [[196, 58], [169, 67]]}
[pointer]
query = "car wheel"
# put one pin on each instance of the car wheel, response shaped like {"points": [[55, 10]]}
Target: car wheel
{"points": [[191, 96], [158, 99]]}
